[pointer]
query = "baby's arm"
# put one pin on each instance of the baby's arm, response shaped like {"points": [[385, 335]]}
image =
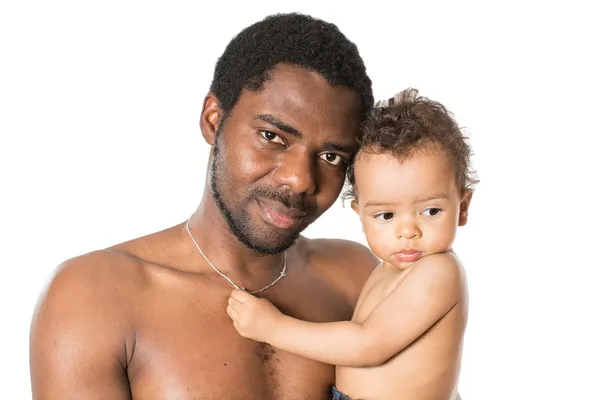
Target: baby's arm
{"points": [[427, 293]]}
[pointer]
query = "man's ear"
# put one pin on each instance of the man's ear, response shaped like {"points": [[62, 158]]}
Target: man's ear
{"points": [[464, 207], [210, 118]]}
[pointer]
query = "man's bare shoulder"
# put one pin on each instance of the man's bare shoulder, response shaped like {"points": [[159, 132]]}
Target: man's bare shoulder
{"points": [[110, 283], [341, 253], [84, 318], [100, 281], [126, 265], [342, 262], [99, 268]]}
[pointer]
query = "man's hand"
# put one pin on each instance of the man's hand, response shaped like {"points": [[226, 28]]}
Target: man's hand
{"points": [[252, 317]]}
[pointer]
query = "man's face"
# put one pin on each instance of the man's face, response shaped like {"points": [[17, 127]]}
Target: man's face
{"points": [[280, 157]]}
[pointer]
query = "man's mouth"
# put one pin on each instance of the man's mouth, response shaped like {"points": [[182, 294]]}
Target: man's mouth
{"points": [[278, 215]]}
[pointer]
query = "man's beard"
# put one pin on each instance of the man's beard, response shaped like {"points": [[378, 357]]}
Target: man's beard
{"points": [[238, 219]]}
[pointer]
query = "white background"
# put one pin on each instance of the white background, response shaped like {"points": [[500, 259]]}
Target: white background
{"points": [[99, 108]]}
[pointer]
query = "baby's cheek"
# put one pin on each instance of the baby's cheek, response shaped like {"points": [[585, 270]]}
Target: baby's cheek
{"points": [[381, 242], [441, 240]]}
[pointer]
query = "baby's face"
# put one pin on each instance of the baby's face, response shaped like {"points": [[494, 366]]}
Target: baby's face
{"points": [[409, 208]]}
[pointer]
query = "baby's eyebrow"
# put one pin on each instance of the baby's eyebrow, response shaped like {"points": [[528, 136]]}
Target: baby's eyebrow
{"points": [[435, 197], [387, 203], [377, 204]]}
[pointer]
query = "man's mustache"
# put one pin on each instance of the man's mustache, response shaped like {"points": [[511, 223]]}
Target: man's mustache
{"points": [[284, 197]]}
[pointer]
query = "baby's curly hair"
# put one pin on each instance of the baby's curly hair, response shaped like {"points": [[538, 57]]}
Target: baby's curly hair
{"points": [[406, 123], [295, 39]]}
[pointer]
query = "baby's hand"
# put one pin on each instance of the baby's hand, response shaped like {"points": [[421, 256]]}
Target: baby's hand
{"points": [[252, 317]]}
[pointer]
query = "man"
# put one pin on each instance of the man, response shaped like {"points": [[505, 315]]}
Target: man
{"points": [[147, 319]]}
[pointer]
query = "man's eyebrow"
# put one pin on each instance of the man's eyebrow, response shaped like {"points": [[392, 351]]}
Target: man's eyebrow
{"points": [[350, 149], [328, 146], [270, 119]]}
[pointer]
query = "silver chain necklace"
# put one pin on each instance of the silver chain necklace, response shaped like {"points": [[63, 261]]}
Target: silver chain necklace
{"points": [[235, 285]]}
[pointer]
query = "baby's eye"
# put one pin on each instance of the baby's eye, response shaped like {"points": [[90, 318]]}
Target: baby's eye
{"points": [[271, 137], [332, 158], [386, 216], [431, 212]]}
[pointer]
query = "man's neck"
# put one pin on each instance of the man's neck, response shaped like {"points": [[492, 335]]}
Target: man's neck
{"points": [[226, 253]]}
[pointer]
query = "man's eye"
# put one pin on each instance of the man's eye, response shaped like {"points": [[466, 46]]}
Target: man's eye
{"points": [[386, 216], [332, 158], [271, 137], [431, 212]]}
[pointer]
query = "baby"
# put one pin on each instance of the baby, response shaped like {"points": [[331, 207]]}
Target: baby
{"points": [[411, 185]]}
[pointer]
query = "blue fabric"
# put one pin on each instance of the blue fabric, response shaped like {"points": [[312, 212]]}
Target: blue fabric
{"points": [[337, 395]]}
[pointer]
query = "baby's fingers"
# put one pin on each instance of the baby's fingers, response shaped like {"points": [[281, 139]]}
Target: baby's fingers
{"points": [[234, 303], [232, 313], [241, 296]]}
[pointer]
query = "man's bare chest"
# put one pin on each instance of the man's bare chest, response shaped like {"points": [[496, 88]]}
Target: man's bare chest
{"points": [[223, 366], [186, 348]]}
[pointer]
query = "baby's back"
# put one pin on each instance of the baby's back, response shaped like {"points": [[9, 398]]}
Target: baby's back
{"points": [[429, 367]]}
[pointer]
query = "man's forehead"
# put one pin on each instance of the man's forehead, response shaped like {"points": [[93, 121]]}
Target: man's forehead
{"points": [[294, 86], [304, 100]]}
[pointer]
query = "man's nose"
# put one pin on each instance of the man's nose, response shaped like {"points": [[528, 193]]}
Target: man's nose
{"points": [[297, 171]]}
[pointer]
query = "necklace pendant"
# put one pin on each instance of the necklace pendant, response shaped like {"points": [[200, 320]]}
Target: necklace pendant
{"points": [[243, 289]]}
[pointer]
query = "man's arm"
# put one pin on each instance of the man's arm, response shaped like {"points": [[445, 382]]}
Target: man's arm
{"points": [[426, 294], [76, 351]]}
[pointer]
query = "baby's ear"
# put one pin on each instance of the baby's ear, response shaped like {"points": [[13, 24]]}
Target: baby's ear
{"points": [[354, 205], [464, 207]]}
